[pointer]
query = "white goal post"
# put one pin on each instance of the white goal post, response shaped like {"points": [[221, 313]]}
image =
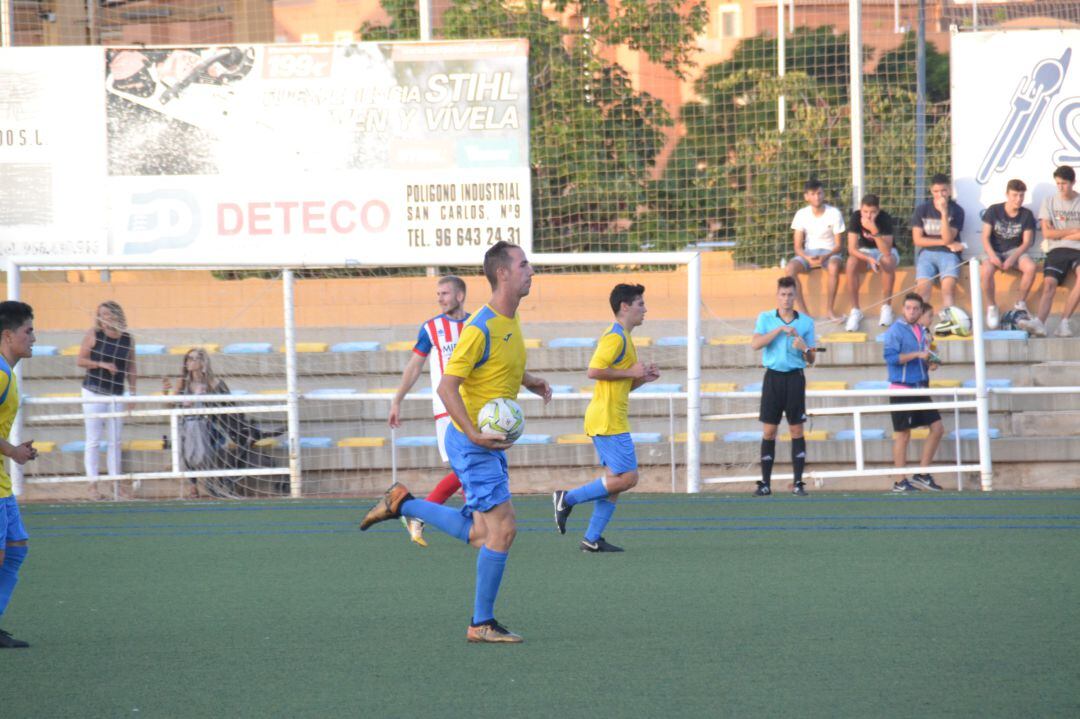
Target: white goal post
{"points": [[175, 406]]}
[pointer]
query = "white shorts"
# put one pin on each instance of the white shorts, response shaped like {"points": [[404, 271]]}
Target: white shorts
{"points": [[440, 433]]}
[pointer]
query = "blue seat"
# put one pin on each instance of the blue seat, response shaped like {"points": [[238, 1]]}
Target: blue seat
{"points": [[76, 446], [560, 342], [562, 389], [746, 436], [141, 349], [880, 338], [1000, 382], [355, 347], [534, 439], [645, 437], [323, 391], [849, 434], [45, 350], [973, 433], [247, 348], [421, 441], [316, 443], [654, 387], [752, 387], [680, 341], [426, 389], [1005, 335], [872, 384], [239, 392]]}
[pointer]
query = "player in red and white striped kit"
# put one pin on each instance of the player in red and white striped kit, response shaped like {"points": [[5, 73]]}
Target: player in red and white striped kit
{"points": [[438, 337]]}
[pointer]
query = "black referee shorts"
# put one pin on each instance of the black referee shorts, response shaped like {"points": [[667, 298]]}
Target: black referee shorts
{"points": [[783, 394]]}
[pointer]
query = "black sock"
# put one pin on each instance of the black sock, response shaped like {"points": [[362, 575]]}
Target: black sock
{"points": [[798, 457], [768, 452]]}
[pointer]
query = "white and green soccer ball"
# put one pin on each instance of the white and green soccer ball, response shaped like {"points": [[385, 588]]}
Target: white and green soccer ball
{"points": [[502, 416]]}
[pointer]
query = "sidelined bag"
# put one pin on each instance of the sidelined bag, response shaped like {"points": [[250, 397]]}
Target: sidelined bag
{"points": [[200, 443]]}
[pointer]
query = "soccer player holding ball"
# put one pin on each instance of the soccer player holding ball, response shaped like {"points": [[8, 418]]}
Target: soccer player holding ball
{"points": [[617, 372], [488, 363]]}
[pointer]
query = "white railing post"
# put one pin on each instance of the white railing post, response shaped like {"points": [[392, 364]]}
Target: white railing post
{"points": [[859, 456], [982, 402], [956, 431], [671, 437], [693, 375], [293, 402], [856, 100]]}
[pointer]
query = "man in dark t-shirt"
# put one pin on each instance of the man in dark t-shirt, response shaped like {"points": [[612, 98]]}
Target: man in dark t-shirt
{"points": [[1007, 234], [870, 245], [935, 231]]}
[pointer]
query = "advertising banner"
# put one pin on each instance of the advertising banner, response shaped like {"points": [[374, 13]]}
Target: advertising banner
{"points": [[377, 152], [52, 151], [1015, 114]]}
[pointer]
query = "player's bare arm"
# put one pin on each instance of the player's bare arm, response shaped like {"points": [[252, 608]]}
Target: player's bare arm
{"points": [[988, 248], [537, 385], [762, 340], [449, 393], [21, 453], [408, 379]]}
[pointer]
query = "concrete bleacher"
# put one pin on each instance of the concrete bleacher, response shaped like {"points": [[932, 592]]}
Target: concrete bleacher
{"points": [[1032, 433]]}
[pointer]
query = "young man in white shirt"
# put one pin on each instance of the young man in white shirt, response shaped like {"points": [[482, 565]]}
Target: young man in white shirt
{"points": [[818, 235], [1060, 220]]}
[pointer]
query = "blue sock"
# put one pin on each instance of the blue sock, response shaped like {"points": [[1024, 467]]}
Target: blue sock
{"points": [[448, 519], [601, 515], [587, 492], [9, 572], [489, 570]]}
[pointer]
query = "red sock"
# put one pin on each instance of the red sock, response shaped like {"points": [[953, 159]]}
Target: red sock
{"points": [[445, 489]]}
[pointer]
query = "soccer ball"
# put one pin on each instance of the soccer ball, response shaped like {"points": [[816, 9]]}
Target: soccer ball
{"points": [[954, 321], [503, 416]]}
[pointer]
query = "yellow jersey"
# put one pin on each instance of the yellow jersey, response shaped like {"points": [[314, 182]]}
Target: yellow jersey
{"points": [[490, 358], [609, 409], [9, 406]]}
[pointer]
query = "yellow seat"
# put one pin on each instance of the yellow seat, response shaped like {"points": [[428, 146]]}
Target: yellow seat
{"points": [[586, 390], [813, 435], [573, 439], [266, 442], [920, 433], [308, 347], [72, 351], [402, 346], [718, 387], [731, 340], [184, 349], [945, 383], [143, 445], [827, 385], [272, 391], [844, 337], [681, 437], [62, 394], [532, 344], [362, 442], [643, 341], [382, 390], [953, 338], [45, 446]]}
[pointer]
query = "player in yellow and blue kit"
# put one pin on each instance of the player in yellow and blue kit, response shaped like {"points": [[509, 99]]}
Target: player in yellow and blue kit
{"points": [[617, 372], [16, 343], [488, 363]]}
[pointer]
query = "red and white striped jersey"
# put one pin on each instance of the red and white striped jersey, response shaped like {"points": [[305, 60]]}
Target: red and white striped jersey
{"points": [[438, 337]]}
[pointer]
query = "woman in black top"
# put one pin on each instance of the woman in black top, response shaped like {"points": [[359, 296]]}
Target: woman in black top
{"points": [[108, 355]]}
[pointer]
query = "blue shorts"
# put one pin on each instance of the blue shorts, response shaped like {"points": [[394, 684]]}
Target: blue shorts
{"points": [[932, 263], [815, 253], [616, 452], [11, 526], [482, 472], [875, 253]]}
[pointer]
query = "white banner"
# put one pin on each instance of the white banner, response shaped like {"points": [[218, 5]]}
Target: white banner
{"points": [[1015, 114], [380, 152], [52, 151]]}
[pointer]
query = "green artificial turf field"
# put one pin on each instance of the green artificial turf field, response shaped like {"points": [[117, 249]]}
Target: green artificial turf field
{"points": [[834, 606]]}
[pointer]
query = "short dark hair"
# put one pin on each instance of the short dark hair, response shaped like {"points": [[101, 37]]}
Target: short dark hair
{"points": [[914, 297], [785, 281], [870, 200], [1016, 186], [13, 314], [497, 257], [812, 185], [1066, 173], [625, 293], [939, 179], [457, 283]]}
